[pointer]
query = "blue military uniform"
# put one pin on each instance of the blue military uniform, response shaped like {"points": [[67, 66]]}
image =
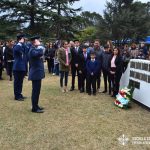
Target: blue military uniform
{"points": [[36, 74], [19, 69]]}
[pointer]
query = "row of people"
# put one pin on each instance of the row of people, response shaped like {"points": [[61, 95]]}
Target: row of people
{"points": [[89, 66]]}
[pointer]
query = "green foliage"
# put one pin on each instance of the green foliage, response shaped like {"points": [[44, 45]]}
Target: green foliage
{"points": [[47, 17], [87, 34], [127, 19]]}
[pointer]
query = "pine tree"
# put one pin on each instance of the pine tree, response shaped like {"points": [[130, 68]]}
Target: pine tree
{"points": [[39, 15]]}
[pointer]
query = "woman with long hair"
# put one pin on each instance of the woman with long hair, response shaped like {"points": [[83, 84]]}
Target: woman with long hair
{"points": [[116, 69], [64, 57]]}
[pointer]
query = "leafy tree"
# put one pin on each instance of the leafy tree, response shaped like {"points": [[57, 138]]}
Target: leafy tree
{"points": [[126, 19], [39, 16]]}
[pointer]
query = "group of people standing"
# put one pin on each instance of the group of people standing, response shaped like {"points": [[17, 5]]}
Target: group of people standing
{"points": [[19, 56], [87, 62]]}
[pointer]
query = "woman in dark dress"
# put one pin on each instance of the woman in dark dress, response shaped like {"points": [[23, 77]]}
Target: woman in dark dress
{"points": [[116, 69]]}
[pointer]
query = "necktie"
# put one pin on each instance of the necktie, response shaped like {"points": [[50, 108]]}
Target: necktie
{"points": [[85, 55]]}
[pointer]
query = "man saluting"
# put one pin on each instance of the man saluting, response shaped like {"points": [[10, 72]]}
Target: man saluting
{"points": [[36, 72], [19, 66]]}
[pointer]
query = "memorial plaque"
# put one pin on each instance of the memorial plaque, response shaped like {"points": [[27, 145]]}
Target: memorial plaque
{"points": [[144, 77], [134, 84], [138, 65], [132, 65], [145, 67], [137, 75], [137, 85], [131, 83], [148, 79], [132, 74]]}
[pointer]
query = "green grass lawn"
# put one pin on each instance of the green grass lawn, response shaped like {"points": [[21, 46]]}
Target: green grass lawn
{"points": [[72, 121]]}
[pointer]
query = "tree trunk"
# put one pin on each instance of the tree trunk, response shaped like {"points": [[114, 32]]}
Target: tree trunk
{"points": [[32, 16]]}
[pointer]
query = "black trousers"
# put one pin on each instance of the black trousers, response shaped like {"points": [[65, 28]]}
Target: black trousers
{"points": [[9, 68], [98, 80], [74, 71], [107, 78], [36, 88], [18, 83], [82, 78], [1, 70], [115, 80], [91, 82], [50, 65], [63, 74]]}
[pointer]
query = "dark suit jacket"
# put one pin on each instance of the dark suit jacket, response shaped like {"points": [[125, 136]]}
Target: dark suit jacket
{"points": [[119, 65], [8, 55], [1, 57], [75, 55], [20, 58], [82, 61], [36, 71], [93, 67], [50, 52]]}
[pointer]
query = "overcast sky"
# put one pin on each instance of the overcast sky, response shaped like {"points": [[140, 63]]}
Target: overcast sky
{"points": [[95, 5]]}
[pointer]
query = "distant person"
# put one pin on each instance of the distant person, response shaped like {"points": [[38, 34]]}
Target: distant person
{"points": [[49, 56], [84, 56], [75, 48], [9, 58], [106, 56], [92, 67], [1, 60], [134, 50], [140, 55], [98, 52], [19, 66], [126, 59], [144, 49], [36, 72]]}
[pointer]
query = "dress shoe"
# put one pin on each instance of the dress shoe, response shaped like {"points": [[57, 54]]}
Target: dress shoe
{"points": [[113, 96], [71, 89], [19, 99], [38, 111], [81, 90], [104, 91], [41, 108], [23, 97], [94, 94]]}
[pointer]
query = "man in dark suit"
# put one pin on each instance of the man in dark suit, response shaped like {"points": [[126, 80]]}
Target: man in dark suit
{"points": [[98, 52], [36, 72], [83, 57], [19, 66], [74, 63]]}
